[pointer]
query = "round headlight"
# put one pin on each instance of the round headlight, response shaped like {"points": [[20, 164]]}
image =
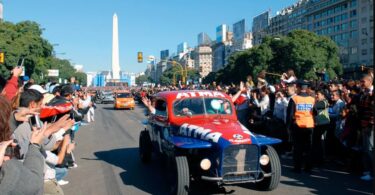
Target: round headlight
{"points": [[264, 159], [205, 164]]}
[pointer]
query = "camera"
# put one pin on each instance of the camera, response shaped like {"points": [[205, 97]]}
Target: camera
{"points": [[35, 121], [13, 151]]}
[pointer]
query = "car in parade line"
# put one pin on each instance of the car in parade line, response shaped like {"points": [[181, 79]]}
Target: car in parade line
{"points": [[198, 136], [124, 99], [104, 97]]}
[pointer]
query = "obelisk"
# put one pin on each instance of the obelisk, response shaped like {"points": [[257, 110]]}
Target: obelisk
{"points": [[115, 50]]}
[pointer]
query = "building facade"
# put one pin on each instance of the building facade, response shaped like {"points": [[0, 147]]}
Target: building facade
{"points": [[349, 23], [90, 78], [182, 47], [218, 56], [204, 39], [203, 59], [164, 54], [260, 25], [221, 33]]}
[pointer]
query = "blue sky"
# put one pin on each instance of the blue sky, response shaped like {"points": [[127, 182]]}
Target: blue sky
{"points": [[83, 28]]}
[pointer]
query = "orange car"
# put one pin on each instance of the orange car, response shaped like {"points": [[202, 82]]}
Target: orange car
{"points": [[124, 100]]}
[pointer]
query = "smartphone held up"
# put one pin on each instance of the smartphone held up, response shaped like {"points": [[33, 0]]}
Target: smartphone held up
{"points": [[35, 121]]}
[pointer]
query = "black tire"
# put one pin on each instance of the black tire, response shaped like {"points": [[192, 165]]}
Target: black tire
{"points": [[273, 168], [145, 147], [179, 176]]}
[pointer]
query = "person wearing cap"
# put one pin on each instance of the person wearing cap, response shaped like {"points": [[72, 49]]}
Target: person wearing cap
{"points": [[47, 96], [66, 96], [301, 124]]}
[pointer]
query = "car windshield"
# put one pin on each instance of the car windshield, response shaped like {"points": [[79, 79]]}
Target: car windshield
{"points": [[107, 92], [199, 106], [123, 95]]}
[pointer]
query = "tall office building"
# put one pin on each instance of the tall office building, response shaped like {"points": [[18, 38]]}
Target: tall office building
{"points": [[164, 54], [222, 33], [239, 30], [182, 48], [239, 35], [204, 39], [260, 25]]}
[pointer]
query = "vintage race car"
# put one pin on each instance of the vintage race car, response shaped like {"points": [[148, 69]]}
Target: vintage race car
{"points": [[199, 137]]}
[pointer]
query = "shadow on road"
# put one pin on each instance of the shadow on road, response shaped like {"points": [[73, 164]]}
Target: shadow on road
{"points": [[147, 178], [329, 179], [150, 178]]}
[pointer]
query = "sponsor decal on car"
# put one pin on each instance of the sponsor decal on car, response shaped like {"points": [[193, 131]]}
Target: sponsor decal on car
{"points": [[238, 138], [199, 132], [199, 94]]}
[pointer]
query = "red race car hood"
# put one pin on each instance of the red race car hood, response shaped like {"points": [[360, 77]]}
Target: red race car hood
{"points": [[215, 130]]}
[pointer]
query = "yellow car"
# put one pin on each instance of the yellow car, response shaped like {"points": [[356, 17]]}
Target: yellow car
{"points": [[124, 100]]}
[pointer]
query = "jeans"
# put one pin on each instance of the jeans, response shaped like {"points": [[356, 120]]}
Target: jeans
{"points": [[368, 147], [60, 173]]}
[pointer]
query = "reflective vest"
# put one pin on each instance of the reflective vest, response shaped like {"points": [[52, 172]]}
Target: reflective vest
{"points": [[304, 111]]}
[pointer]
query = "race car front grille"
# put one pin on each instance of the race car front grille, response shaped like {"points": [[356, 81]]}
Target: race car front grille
{"points": [[240, 159]]}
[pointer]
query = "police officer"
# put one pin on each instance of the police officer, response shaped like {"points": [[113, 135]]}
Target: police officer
{"points": [[300, 121]]}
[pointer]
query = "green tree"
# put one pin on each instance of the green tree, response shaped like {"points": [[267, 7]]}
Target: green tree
{"points": [[24, 40], [303, 51], [142, 79]]}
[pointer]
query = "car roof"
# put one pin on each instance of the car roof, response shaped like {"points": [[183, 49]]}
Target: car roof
{"points": [[122, 91], [180, 94]]}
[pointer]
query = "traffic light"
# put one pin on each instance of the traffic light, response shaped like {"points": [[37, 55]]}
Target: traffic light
{"points": [[200, 68], [2, 57], [140, 57]]}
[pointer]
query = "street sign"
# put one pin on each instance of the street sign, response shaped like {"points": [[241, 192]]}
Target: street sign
{"points": [[53, 72], [2, 57]]}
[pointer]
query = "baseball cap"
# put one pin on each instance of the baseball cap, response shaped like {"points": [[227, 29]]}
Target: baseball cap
{"points": [[38, 88], [302, 83]]}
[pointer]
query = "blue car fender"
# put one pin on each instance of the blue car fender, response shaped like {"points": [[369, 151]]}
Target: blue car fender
{"points": [[264, 140], [188, 142]]}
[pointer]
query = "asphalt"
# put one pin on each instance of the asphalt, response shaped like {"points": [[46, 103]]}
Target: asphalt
{"points": [[108, 163]]}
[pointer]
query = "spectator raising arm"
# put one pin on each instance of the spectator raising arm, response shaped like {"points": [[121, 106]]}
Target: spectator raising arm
{"points": [[11, 87]]}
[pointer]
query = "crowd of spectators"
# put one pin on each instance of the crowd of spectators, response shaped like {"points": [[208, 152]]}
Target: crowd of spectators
{"points": [[38, 124], [342, 129]]}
